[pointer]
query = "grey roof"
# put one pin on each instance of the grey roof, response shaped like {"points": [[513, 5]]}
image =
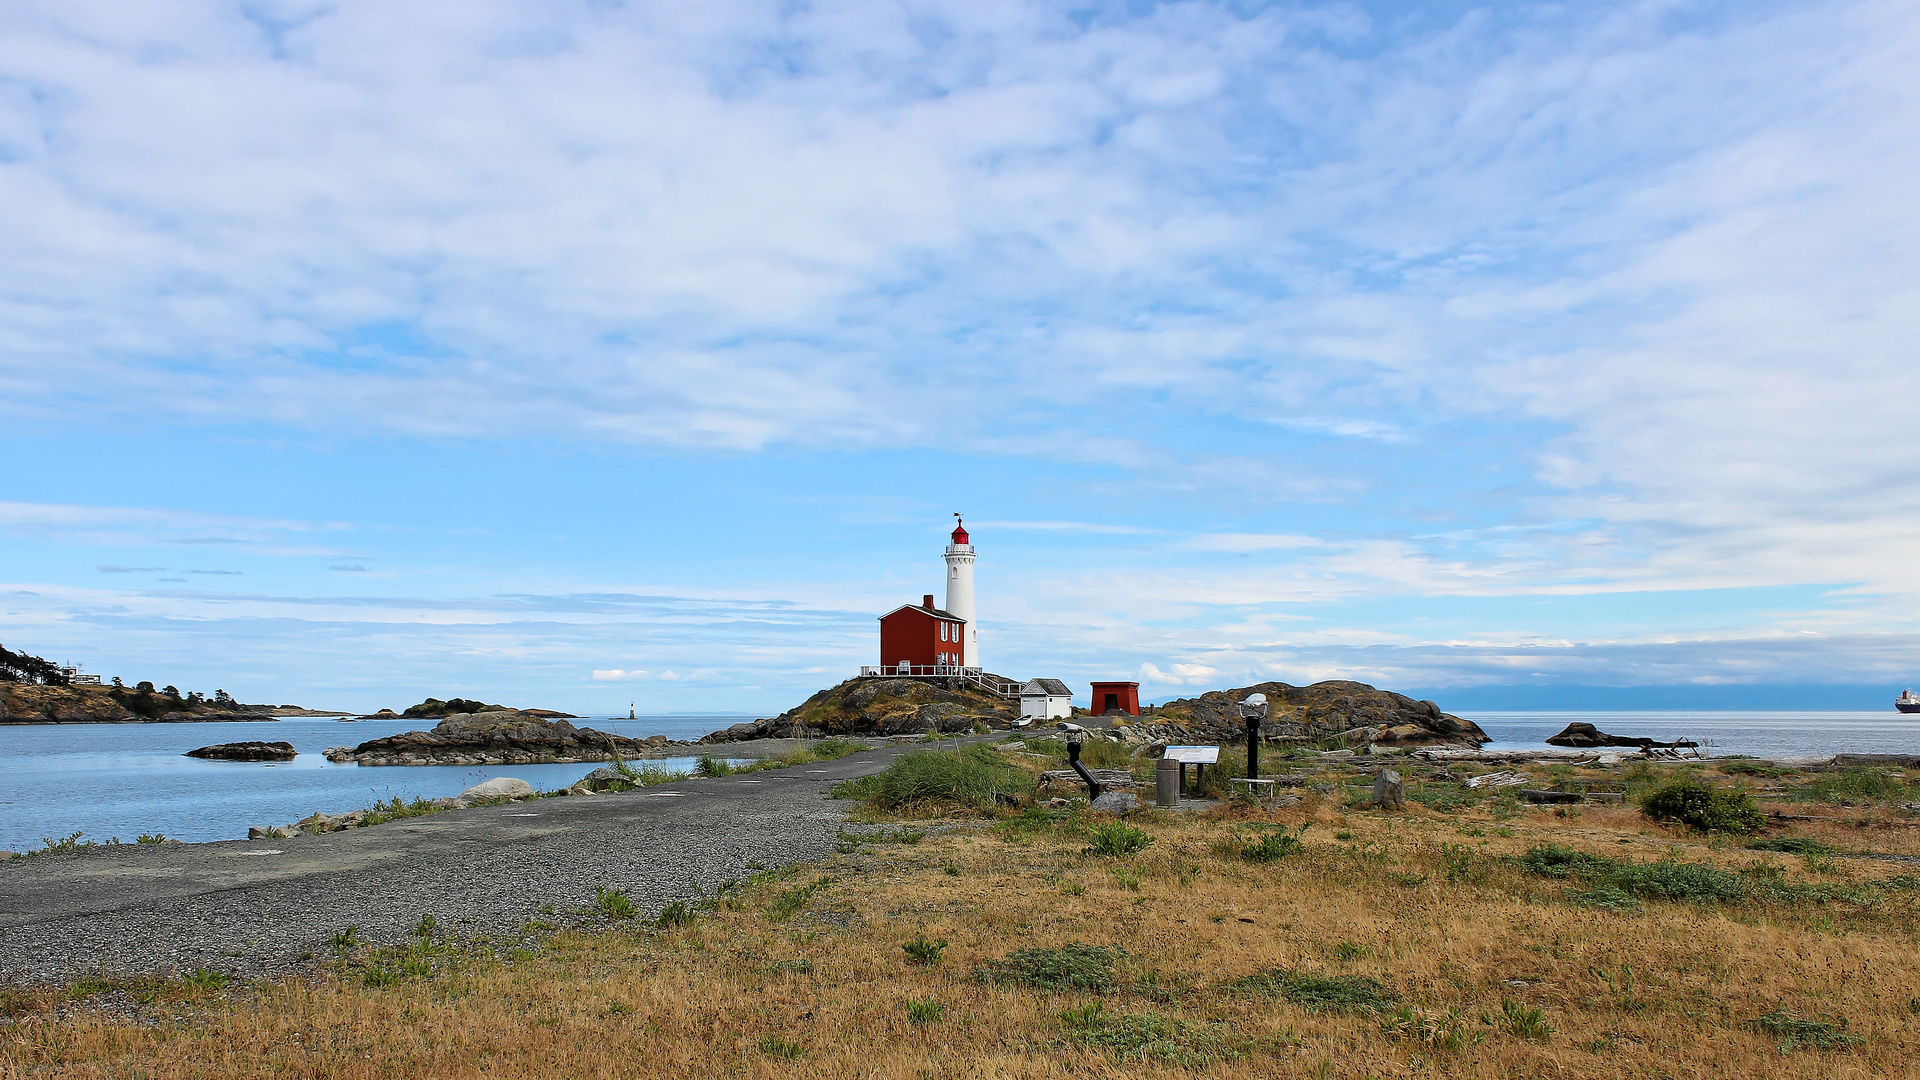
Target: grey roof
{"points": [[1051, 687], [926, 611]]}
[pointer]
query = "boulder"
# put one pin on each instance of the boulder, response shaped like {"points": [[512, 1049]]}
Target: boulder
{"points": [[500, 787], [1389, 791], [245, 751], [1582, 734], [318, 822], [1118, 802], [601, 779]]}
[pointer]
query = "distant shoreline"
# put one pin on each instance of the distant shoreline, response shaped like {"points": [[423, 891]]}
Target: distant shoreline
{"points": [[255, 718]]}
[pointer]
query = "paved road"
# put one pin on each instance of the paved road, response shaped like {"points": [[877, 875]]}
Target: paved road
{"points": [[250, 907]]}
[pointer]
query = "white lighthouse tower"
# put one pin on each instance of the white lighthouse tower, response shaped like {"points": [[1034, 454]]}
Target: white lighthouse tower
{"points": [[960, 590]]}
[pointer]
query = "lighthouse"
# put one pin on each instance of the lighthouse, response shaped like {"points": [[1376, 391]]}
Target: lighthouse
{"points": [[960, 591]]}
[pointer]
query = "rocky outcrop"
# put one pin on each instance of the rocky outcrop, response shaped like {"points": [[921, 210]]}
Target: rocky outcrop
{"points": [[245, 751], [434, 709], [497, 738], [1586, 735], [1353, 711], [877, 707], [21, 704]]}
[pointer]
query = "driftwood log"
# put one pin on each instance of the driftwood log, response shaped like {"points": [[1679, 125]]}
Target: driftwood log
{"points": [[1106, 778]]}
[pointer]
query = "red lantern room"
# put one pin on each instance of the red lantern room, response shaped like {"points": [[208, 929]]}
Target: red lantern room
{"points": [[959, 531]]}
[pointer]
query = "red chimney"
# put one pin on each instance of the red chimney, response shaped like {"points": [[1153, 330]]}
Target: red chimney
{"points": [[927, 601]]}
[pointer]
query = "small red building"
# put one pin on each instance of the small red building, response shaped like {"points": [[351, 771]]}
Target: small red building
{"points": [[921, 637], [1115, 697]]}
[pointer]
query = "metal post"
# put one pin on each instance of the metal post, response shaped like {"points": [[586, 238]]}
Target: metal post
{"points": [[1073, 759], [1253, 710]]}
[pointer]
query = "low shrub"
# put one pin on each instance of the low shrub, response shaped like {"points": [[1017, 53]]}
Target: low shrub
{"points": [[1791, 845], [1321, 993], [1148, 1037], [1073, 966], [1618, 885], [1707, 809], [1268, 844], [708, 765], [1753, 768], [1459, 862], [1116, 840], [925, 1012], [678, 913], [1859, 785]]}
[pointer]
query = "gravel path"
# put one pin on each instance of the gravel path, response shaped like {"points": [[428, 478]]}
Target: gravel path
{"points": [[253, 907]]}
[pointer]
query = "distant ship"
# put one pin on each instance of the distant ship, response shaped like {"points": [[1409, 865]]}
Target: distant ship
{"points": [[1907, 702]]}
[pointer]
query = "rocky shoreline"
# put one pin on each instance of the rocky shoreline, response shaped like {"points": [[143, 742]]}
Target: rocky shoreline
{"points": [[20, 704], [507, 737]]}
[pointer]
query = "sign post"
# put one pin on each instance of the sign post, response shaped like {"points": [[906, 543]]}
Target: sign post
{"points": [[1200, 756]]}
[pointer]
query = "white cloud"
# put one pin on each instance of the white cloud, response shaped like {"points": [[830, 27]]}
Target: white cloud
{"points": [[1674, 302]]}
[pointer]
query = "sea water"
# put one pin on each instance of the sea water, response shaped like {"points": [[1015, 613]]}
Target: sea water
{"points": [[122, 780], [1788, 735]]}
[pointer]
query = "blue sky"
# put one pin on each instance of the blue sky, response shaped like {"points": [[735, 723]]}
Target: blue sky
{"points": [[575, 354]]}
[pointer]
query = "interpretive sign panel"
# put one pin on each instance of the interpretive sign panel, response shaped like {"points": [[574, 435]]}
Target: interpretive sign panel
{"points": [[1193, 755]]}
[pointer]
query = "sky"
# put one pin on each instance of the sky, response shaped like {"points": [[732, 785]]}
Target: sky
{"points": [[583, 353]]}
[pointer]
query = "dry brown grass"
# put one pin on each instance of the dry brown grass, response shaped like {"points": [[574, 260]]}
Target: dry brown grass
{"points": [[736, 991]]}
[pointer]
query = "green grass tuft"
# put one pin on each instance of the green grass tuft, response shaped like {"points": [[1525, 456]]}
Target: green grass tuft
{"points": [[1073, 966], [1321, 993], [1799, 1034], [1269, 844], [974, 777], [789, 902], [923, 950], [1115, 840], [613, 903]]}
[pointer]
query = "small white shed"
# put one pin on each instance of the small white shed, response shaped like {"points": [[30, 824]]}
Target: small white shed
{"points": [[1045, 699]]}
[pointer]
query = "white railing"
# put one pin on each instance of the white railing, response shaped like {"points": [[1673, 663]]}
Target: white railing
{"points": [[952, 671]]}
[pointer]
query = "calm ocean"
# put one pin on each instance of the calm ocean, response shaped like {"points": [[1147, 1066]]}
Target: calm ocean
{"points": [[107, 780]]}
